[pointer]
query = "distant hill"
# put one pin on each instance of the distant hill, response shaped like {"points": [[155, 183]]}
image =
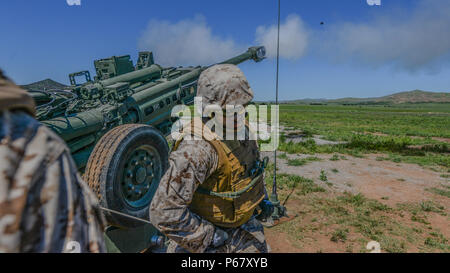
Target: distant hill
{"points": [[47, 84], [416, 96]]}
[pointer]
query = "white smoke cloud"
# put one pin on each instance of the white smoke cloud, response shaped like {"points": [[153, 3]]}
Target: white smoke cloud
{"points": [[73, 2], [187, 42], [414, 41], [293, 38]]}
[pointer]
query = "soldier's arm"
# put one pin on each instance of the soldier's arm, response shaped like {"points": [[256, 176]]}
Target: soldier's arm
{"points": [[189, 166], [65, 203], [73, 221]]}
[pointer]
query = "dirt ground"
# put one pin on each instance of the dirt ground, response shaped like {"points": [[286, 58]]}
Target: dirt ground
{"points": [[390, 183]]}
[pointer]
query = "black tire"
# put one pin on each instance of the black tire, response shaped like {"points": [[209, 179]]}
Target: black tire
{"points": [[127, 163]]}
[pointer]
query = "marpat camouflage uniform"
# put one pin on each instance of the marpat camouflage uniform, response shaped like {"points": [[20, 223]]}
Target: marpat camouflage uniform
{"points": [[189, 166], [44, 204]]}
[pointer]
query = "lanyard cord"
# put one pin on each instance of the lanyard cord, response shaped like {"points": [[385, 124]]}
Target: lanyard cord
{"points": [[125, 215]]}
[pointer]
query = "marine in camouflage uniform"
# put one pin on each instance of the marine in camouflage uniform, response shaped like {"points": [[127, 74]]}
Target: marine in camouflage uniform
{"points": [[44, 204], [195, 163]]}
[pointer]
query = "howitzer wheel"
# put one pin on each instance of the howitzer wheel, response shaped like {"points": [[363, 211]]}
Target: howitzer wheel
{"points": [[124, 170]]}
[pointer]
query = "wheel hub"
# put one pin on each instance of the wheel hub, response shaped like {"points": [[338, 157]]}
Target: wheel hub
{"points": [[141, 175], [139, 172]]}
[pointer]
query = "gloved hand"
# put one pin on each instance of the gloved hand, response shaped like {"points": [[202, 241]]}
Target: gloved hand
{"points": [[267, 209], [219, 238]]}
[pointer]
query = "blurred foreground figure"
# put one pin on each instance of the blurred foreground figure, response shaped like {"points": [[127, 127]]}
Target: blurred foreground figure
{"points": [[44, 204], [206, 200]]}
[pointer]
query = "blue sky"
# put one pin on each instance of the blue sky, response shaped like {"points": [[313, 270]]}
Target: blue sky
{"points": [[360, 51]]}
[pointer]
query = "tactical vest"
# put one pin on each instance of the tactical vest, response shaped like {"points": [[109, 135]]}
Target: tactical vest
{"points": [[231, 193]]}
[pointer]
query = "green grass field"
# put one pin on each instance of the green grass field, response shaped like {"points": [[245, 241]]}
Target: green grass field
{"points": [[339, 122], [413, 133], [344, 221]]}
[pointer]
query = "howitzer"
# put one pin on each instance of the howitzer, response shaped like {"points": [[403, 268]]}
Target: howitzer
{"points": [[115, 127]]}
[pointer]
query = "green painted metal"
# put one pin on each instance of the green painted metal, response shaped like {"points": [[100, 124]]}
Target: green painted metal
{"points": [[133, 240], [83, 114], [121, 94]]}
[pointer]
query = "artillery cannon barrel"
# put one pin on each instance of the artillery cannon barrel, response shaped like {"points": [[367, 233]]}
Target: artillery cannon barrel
{"points": [[146, 95], [256, 53], [81, 124], [154, 88], [151, 72], [88, 122]]}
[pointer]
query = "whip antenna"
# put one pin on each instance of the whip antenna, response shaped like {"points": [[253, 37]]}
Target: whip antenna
{"points": [[279, 210], [274, 187]]}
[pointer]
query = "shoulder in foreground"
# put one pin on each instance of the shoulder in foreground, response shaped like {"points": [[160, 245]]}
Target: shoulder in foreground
{"points": [[23, 130]]}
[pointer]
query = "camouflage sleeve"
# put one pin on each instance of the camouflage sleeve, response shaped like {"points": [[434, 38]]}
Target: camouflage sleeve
{"points": [[189, 166], [44, 204]]}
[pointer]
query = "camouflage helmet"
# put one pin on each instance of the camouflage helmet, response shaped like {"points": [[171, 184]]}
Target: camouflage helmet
{"points": [[12, 97], [224, 84]]}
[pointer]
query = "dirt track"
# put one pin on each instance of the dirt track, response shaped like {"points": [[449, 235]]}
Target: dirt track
{"points": [[388, 182]]}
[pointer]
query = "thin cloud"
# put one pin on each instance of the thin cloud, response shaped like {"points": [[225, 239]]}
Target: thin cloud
{"points": [[187, 42], [293, 38], [420, 40], [192, 41]]}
